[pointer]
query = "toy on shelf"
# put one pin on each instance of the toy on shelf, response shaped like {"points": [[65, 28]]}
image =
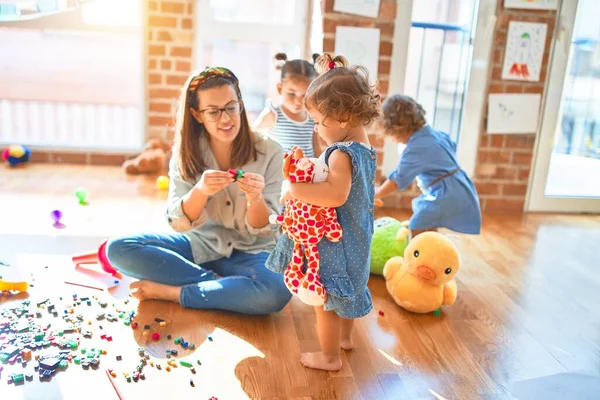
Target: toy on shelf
{"points": [[16, 286], [82, 195], [96, 257], [162, 182], [423, 280], [16, 154], [56, 216], [390, 238], [306, 225]]}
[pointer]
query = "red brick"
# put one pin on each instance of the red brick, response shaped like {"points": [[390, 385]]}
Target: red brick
{"points": [[533, 89], [172, 7], [164, 36], [500, 38], [498, 55], [329, 25], [39, 156], [327, 6], [162, 21], [152, 6], [524, 174], [165, 64], [387, 10], [493, 156], [163, 93], [385, 48], [522, 158], [154, 120], [496, 141], [107, 159], [514, 189], [502, 22], [328, 45], [155, 78], [487, 188], [181, 51], [504, 205], [150, 35], [176, 79], [383, 86], [543, 73], [190, 8], [505, 172], [69, 157], [497, 73], [386, 28], [152, 63], [496, 87], [187, 23], [384, 67], [485, 170], [183, 66], [520, 142], [160, 107], [514, 88], [156, 50]]}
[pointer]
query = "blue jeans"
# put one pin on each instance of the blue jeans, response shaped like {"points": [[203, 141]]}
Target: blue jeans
{"points": [[240, 283]]}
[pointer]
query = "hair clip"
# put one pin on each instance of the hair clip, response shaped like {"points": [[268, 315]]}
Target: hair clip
{"points": [[331, 64]]}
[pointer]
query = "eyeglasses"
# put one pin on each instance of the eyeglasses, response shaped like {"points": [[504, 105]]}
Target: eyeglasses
{"points": [[232, 109]]}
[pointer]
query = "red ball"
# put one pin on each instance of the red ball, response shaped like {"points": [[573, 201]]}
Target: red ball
{"points": [[381, 313], [155, 336]]}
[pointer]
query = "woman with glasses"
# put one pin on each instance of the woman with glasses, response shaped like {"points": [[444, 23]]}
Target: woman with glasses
{"points": [[216, 258]]}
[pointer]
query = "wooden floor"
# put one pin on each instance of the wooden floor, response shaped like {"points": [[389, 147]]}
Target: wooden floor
{"points": [[528, 307]]}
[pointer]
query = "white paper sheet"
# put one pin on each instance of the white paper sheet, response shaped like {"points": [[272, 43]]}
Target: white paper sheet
{"points": [[360, 46], [532, 4], [513, 113], [367, 8], [524, 51]]}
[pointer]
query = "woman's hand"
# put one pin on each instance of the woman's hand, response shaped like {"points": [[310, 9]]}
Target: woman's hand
{"points": [[252, 185], [213, 181], [285, 192]]}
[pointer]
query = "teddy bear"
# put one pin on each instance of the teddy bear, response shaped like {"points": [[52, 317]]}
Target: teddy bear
{"points": [[306, 225], [152, 160], [423, 280]]}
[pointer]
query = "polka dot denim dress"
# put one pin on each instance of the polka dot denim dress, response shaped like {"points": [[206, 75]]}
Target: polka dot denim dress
{"points": [[345, 265]]}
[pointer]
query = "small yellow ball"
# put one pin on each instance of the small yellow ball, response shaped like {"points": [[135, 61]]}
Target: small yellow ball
{"points": [[162, 182]]}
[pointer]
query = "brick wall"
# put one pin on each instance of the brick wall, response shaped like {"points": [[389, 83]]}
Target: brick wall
{"points": [[504, 161], [385, 23], [169, 49]]}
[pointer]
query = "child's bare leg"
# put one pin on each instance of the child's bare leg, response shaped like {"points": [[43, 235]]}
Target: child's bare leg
{"points": [[328, 330], [347, 325]]}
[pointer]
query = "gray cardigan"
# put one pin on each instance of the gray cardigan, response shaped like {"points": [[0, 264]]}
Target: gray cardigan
{"points": [[223, 225]]}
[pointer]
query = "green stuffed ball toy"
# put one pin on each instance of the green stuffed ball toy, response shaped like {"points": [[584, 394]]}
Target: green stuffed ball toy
{"points": [[390, 238]]}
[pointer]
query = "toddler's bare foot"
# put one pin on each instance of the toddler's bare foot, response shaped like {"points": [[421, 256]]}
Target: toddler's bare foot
{"points": [[319, 361], [149, 290], [347, 344]]}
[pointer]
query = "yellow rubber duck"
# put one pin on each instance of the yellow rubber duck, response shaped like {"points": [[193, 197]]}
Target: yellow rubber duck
{"points": [[423, 280]]}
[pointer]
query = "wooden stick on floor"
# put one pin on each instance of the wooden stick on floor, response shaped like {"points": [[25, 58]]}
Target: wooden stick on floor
{"points": [[114, 385]]}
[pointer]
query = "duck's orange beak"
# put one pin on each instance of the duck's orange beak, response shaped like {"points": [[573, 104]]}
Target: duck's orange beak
{"points": [[426, 273]]}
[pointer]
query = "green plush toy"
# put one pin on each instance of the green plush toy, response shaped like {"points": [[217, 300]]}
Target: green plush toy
{"points": [[390, 238]]}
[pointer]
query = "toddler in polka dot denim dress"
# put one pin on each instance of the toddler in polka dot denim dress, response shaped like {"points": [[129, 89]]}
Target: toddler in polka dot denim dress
{"points": [[342, 104]]}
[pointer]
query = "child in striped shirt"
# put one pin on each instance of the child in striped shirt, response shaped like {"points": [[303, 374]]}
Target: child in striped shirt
{"points": [[289, 123]]}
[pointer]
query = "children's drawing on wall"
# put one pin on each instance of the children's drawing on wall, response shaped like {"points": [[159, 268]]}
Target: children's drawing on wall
{"points": [[513, 113], [524, 51], [360, 46], [532, 4]]}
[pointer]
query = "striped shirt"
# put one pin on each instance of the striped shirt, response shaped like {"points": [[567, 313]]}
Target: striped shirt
{"points": [[292, 133]]}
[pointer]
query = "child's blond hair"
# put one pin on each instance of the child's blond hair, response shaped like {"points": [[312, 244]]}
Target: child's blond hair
{"points": [[342, 92]]}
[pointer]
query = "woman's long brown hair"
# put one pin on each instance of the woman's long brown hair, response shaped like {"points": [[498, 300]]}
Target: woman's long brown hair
{"points": [[188, 132]]}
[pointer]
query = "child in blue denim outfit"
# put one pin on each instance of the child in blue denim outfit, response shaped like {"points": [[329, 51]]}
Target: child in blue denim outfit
{"points": [[449, 198], [342, 103]]}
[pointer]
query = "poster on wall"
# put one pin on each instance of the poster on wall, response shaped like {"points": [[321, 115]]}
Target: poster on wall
{"points": [[524, 52], [367, 8], [532, 4], [513, 113], [360, 46]]}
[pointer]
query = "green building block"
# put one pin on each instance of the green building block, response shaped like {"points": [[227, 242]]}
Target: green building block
{"points": [[63, 364], [185, 364], [18, 378], [177, 340]]}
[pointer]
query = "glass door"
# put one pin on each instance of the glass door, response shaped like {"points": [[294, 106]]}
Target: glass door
{"points": [[566, 175]]}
